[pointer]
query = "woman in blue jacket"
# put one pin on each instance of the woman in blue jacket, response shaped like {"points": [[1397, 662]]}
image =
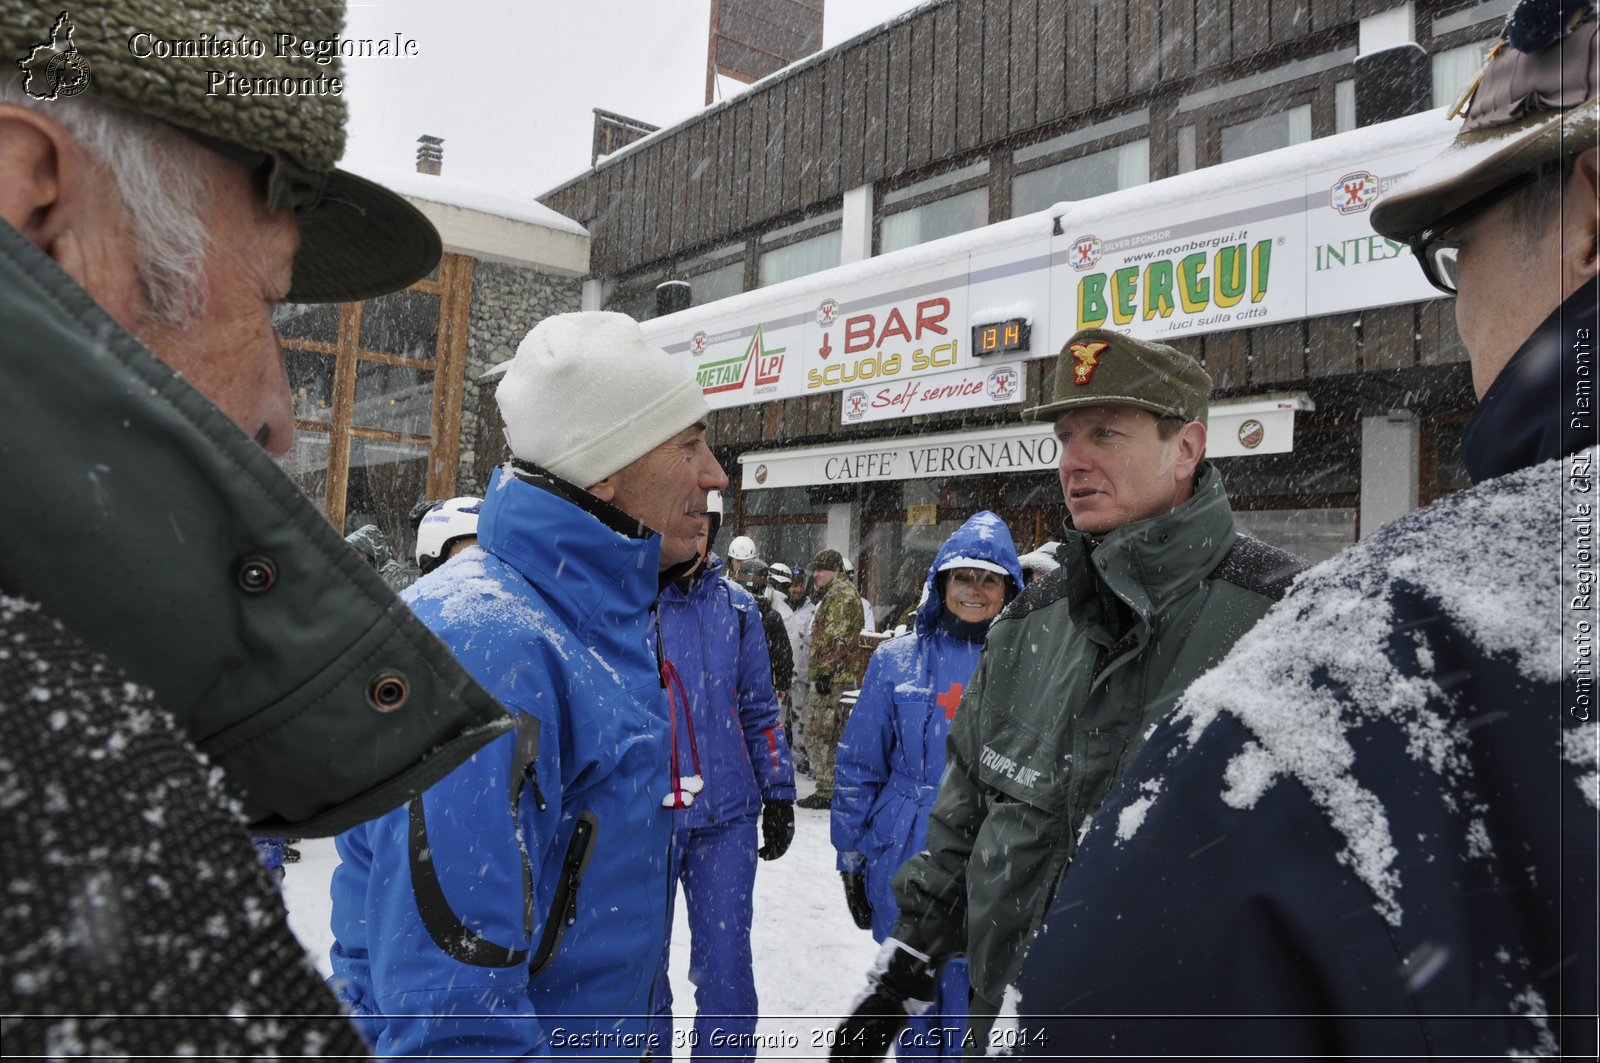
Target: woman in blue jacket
{"points": [[892, 754], [734, 761]]}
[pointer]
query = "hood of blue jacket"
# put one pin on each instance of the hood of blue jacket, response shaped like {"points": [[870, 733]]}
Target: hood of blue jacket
{"points": [[984, 537]]}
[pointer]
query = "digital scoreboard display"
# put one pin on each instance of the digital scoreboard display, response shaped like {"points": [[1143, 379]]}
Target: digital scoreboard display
{"points": [[1003, 337]]}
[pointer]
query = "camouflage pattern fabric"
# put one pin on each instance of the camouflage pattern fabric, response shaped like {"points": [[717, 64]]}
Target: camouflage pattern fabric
{"points": [[825, 720], [834, 633]]}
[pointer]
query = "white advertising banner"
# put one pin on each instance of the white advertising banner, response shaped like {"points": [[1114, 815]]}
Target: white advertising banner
{"points": [[1277, 237], [1254, 426], [962, 389]]}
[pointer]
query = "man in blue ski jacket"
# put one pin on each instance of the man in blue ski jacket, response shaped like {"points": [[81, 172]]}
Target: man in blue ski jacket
{"points": [[892, 757], [733, 762], [1370, 832], [519, 906]]}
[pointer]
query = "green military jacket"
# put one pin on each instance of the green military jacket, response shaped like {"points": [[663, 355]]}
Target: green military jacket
{"points": [[144, 520], [1057, 709], [834, 634]]}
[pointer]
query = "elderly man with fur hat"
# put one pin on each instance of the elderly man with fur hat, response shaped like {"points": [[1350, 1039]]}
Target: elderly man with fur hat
{"points": [[1371, 831], [520, 906], [1154, 586], [188, 646]]}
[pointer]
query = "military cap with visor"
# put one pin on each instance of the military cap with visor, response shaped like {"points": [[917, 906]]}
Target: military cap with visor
{"points": [[161, 59], [1534, 102], [1100, 367]]}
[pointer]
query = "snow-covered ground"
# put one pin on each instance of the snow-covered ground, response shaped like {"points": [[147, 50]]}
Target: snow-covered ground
{"points": [[811, 961]]}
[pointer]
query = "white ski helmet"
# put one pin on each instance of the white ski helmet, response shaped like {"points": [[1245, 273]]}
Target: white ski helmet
{"points": [[447, 521], [743, 548]]}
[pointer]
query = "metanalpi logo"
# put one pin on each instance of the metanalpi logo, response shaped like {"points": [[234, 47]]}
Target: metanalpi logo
{"points": [[54, 69]]}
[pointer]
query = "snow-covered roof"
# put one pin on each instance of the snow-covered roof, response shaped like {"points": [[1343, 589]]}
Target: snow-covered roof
{"points": [[481, 222]]}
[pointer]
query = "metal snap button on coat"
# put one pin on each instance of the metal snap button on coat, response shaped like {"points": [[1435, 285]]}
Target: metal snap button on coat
{"points": [[255, 574], [388, 690]]}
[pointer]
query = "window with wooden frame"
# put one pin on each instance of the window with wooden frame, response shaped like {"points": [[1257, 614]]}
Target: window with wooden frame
{"points": [[1082, 163], [377, 399], [952, 201]]}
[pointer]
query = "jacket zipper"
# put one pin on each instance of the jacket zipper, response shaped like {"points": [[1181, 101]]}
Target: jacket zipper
{"points": [[564, 907]]}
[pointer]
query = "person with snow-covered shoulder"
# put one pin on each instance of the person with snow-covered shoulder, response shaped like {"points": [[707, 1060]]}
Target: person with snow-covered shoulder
{"points": [[892, 756], [733, 756], [519, 907], [1379, 813], [191, 655], [1155, 585]]}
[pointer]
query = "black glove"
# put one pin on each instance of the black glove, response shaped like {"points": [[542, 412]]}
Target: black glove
{"points": [[777, 828], [899, 986], [823, 685], [855, 895]]}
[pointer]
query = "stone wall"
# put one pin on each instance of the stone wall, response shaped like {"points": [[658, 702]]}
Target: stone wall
{"points": [[507, 301]]}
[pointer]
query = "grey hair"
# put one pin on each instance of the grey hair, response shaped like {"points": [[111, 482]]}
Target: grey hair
{"points": [[160, 177], [1534, 207]]}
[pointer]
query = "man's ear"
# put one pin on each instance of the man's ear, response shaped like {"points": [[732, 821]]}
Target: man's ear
{"points": [[1191, 448], [1580, 248], [30, 170], [605, 490]]}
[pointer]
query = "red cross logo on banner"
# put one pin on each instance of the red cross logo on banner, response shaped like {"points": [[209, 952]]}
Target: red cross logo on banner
{"points": [[950, 699]]}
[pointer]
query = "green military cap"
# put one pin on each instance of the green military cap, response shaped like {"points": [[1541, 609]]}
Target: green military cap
{"points": [[259, 82], [828, 561], [1099, 367]]}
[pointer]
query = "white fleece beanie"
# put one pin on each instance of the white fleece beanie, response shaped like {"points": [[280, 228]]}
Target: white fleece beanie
{"points": [[586, 396]]}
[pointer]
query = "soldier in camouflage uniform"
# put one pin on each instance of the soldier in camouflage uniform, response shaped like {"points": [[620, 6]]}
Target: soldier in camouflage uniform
{"points": [[832, 669]]}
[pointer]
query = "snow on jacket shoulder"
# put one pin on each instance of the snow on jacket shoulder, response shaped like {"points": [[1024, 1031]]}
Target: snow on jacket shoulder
{"points": [[1379, 812], [714, 637], [433, 917]]}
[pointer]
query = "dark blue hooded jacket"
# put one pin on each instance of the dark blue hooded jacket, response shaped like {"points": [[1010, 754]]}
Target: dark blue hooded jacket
{"points": [[891, 758], [1370, 831]]}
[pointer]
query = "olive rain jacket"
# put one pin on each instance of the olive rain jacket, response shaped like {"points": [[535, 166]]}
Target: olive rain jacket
{"points": [[169, 588], [519, 906], [1371, 831], [1057, 709]]}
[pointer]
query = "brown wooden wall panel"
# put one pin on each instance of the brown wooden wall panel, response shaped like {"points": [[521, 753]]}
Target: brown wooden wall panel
{"points": [[1439, 343], [1174, 41], [1278, 353], [852, 102], [674, 186], [876, 107], [1228, 358], [1252, 27], [1024, 49], [1335, 343], [995, 71], [772, 157], [920, 89], [1112, 48], [722, 170], [810, 135], [1050, 92], [966, 67], [1387, 338], [1079, 68], [1213, 33], [739, 200], [898, 101], [796, 159], [689, 233], [1330, 14], [946, 37], [650, 198], [1144, 45], [829, 142], [623, 211], [821, 416], [1291, 20]]}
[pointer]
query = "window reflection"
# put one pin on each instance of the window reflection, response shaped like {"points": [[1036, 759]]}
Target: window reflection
{"points": [[395, 398], [404, 323]]}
